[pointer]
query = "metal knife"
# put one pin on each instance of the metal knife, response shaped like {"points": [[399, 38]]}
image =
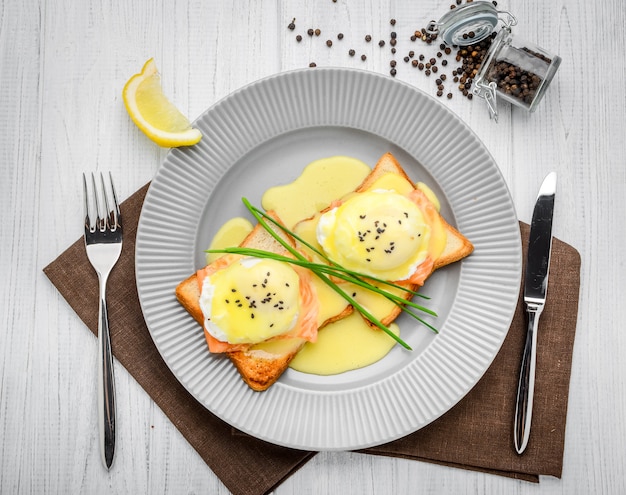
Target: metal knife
{"points": [[535, 286]]}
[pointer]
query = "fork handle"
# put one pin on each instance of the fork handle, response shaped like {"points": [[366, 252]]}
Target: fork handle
{"points": [[106, 383]]}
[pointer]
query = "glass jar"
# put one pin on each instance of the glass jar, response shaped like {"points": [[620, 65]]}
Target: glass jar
{"points": [[513, 70]]}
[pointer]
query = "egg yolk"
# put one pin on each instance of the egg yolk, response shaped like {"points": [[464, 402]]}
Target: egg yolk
{"points": [[251, 300], [379, 233]]}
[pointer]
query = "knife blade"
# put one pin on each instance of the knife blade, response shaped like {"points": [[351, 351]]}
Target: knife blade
{"points": [[535, 288]]}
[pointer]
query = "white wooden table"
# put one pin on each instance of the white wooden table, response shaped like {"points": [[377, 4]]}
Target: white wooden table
{"points": [[62, 68]]}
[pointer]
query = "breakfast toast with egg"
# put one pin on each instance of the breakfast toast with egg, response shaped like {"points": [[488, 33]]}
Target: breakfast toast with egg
{"points": [[259, 365], [457, 245], [388, 171]]}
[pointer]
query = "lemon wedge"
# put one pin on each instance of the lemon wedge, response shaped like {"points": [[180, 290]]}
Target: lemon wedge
{"points": [[153, 113]]}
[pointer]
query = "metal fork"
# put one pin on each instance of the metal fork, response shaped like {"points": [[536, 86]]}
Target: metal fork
{"points": [[103, 243]]}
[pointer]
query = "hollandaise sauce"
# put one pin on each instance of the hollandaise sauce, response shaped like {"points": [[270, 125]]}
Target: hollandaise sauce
{"points": [[349, 343]]}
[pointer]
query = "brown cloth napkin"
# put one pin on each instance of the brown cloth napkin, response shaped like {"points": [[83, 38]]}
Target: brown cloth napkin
{"points": [[476, 434]]}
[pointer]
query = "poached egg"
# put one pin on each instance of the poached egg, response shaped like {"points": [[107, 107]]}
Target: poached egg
{"points": [[379, 232], [251, 300]]}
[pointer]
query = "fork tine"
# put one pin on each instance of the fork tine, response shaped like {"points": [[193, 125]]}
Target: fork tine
{"points": [[100, 222], [86, 204], [116, 204], [108, 213]]}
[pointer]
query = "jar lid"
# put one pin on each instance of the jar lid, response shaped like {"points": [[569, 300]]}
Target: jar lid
{"points": [[467, 24]]}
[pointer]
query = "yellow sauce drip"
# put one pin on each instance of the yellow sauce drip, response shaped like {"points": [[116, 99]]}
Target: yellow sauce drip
{"points": [[321, 182], [346, 345], [231, 234]]}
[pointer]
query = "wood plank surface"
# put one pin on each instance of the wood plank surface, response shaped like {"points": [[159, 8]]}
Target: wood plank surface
{"points": [[62, 68]]}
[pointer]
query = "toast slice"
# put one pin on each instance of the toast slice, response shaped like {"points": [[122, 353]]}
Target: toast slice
{"points": [[261, 364], [456, 247]]}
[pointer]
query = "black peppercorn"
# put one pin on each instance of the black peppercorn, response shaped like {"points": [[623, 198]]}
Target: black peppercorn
{"points": [[381, 43], [351, 52], [318, 32], [368, 38], [392, 63], [392, 72], [298, 38], [310, 32], [392, 22], [329, 43], [340, 36], [363, 57], [292, 24]]}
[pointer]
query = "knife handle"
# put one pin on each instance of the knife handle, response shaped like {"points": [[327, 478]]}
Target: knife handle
{"points": [[526, 387]]}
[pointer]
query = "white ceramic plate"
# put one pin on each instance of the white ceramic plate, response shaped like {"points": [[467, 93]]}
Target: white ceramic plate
{"points": [[264, 135]]}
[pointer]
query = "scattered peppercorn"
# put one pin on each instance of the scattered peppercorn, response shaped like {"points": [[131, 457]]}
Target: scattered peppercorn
{"points": [[392, 63], [312, 64], [449, 95], [292, 24], [381, 43], [298, 38], [351, 52], [310, 32], [329, 43], [340, 36], [393, 35], [318, 32], [406, 59], [392, 72], [364, 57], [368, 38], [393, 21]]}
